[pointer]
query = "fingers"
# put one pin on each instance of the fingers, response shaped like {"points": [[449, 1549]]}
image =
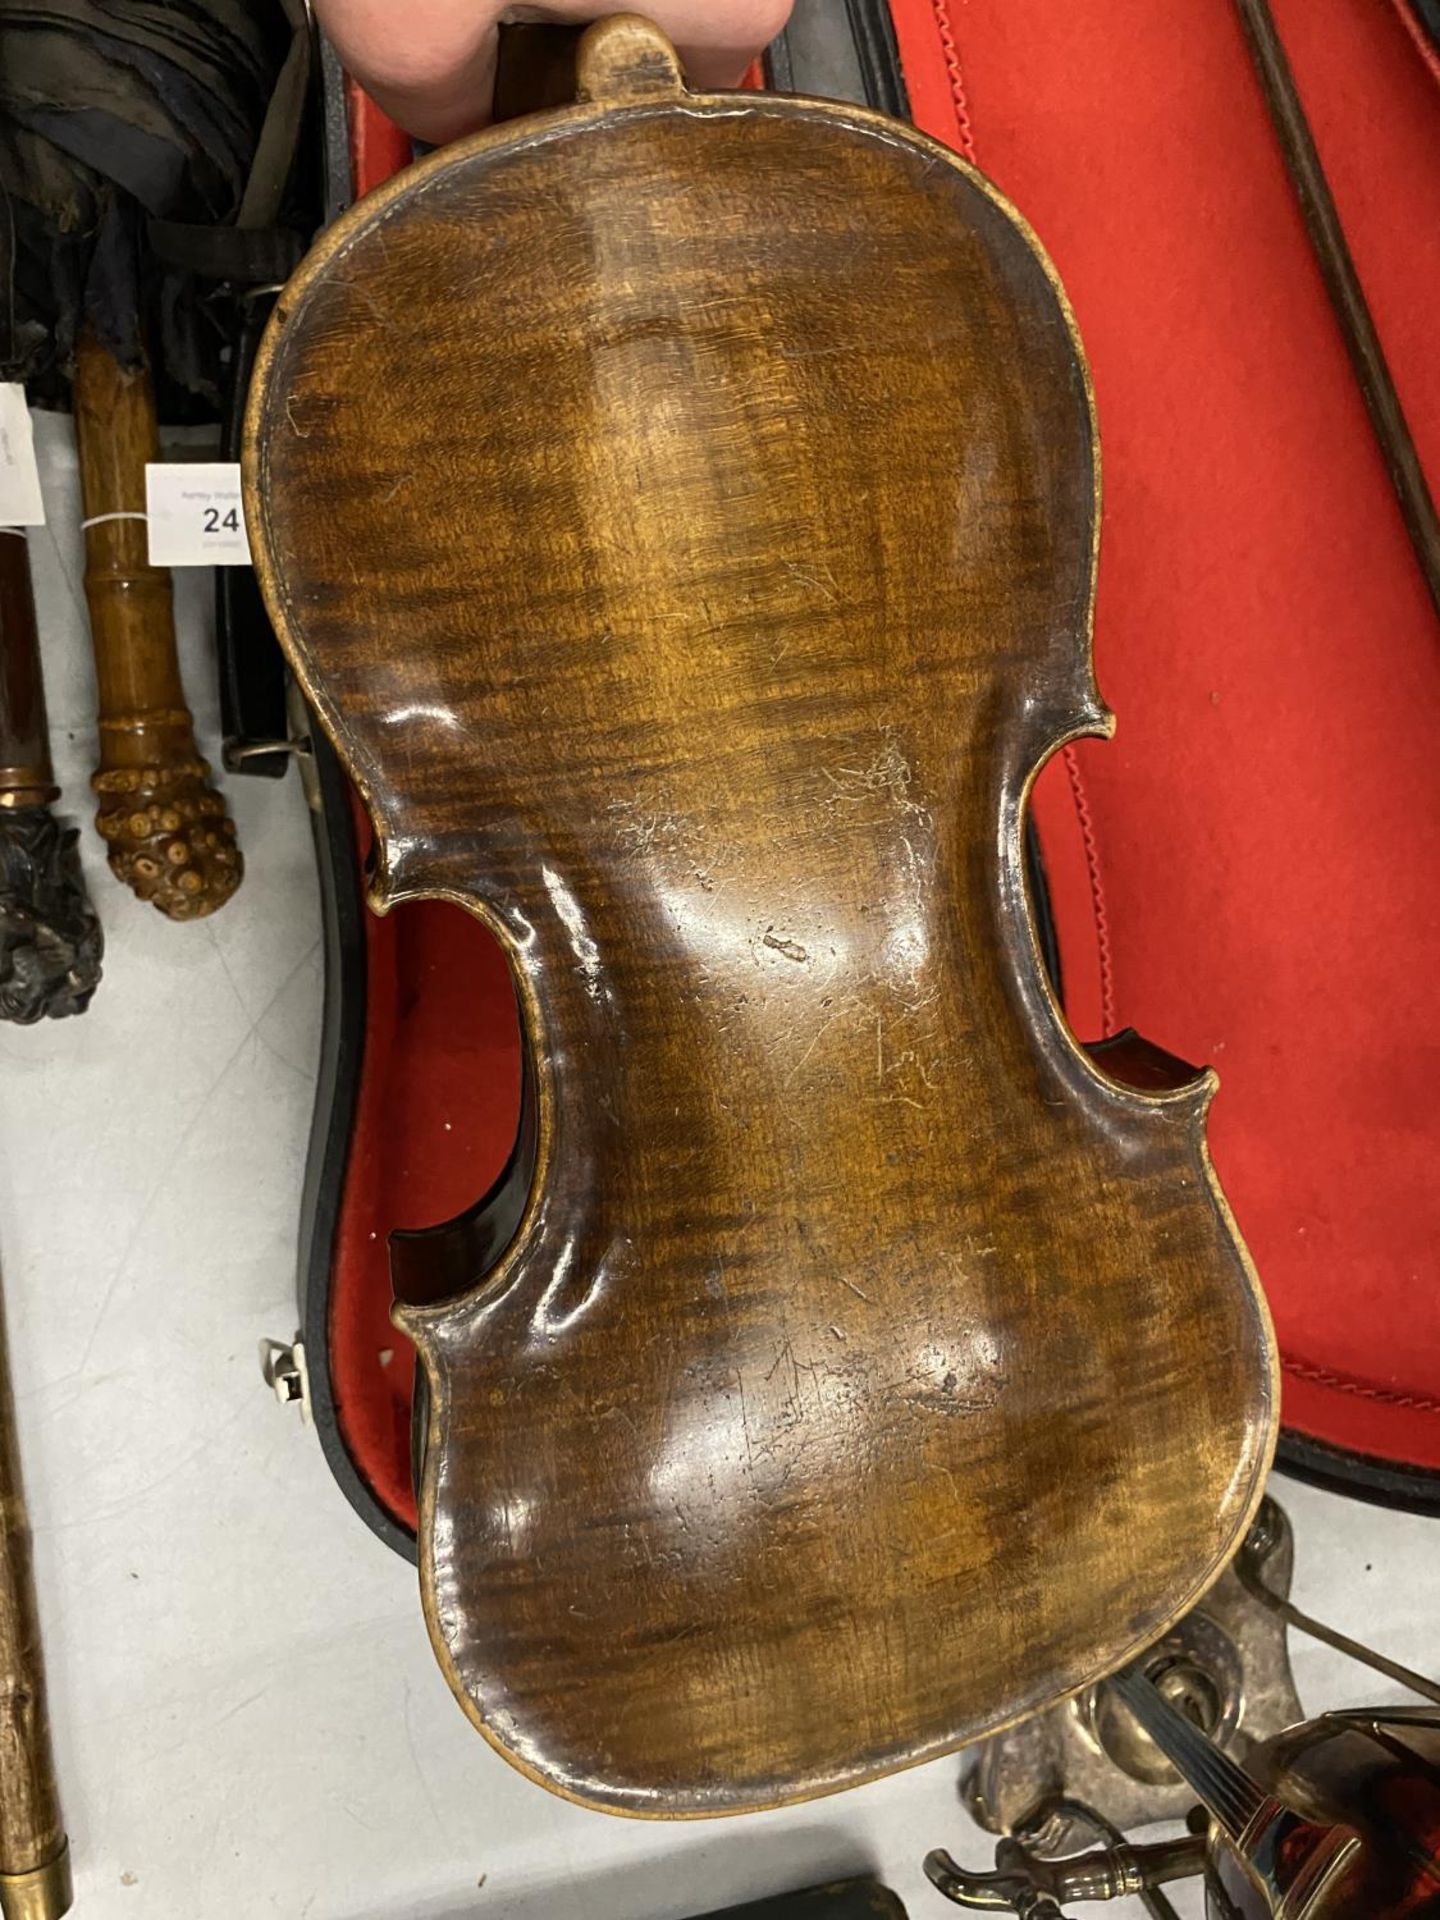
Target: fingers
{"points": [[431, 63]]}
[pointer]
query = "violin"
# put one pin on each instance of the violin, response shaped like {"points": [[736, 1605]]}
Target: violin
{"points": [[680, 510]]}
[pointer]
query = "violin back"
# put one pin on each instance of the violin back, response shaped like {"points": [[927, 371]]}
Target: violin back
{"points": [[681, 511]]}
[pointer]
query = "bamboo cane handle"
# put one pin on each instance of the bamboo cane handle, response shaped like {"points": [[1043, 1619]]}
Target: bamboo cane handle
{"points": [[34, 1853], [50, 941], [167, 831]]}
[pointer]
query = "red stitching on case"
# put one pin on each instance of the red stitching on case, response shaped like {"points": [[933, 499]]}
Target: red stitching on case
{"points": [[1360, 1389], [957, 78], [1097, 892]]}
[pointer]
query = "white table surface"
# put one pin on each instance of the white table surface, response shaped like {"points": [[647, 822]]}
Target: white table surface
{"points": [[248, 1719]]}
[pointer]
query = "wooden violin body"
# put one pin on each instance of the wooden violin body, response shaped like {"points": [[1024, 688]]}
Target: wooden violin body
{"points": [[681, 511]]}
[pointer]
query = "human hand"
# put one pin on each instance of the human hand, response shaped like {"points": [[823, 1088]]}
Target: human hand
{"points": [[431, 63]]}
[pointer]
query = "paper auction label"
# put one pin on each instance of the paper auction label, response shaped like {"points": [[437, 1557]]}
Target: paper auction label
{"points": [[20, 501], [195, 514]]}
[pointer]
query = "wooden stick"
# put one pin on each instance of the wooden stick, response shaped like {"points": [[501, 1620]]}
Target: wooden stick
{"points": [[1327, 237], [26, 777], [168, 834], [50, 942], [34, 1853]]}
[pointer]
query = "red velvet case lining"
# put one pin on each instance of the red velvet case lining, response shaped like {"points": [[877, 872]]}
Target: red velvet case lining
{"points": [[438, 1105], [1262, 843], [1248, 873]]}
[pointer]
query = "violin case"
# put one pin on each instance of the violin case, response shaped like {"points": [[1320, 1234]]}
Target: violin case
{"points": [[1247, 873]]}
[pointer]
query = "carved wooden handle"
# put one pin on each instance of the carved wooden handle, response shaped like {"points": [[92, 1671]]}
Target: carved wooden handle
{"points": [[168, 834], [34, 1854], [50, 939]]}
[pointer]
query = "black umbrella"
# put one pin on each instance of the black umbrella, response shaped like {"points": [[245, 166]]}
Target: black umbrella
{"points": [[144, 151], [146, 147]]}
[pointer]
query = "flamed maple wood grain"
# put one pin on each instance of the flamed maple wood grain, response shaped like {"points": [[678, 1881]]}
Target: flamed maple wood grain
{"points": [[682, 512]]}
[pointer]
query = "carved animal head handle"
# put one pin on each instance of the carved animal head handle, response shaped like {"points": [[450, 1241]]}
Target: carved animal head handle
{"points": [[165, 827], [50, 941]]}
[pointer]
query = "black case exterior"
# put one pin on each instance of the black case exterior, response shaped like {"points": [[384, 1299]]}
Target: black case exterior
{"points": [[1382, 1482], [844, 1900], [332, 1125]]}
